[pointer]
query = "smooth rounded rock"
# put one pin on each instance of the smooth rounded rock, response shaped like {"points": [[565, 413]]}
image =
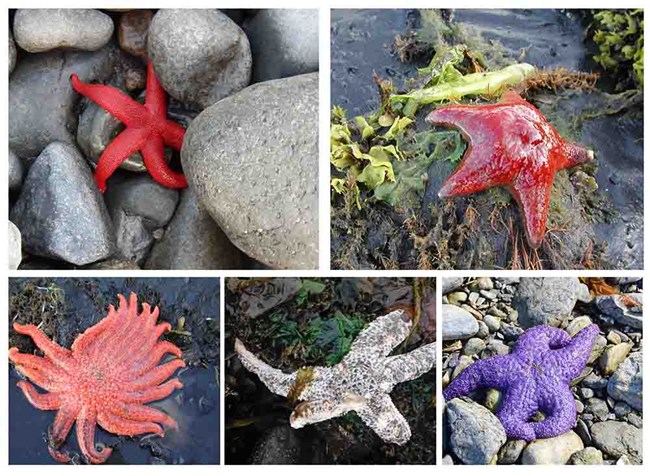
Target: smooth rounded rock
{"points": [[60, 212], [510, 452], [546, 301], [139, 206], [457, 323], [617, 308], [451, 284], [14, 243], [42, 101], [12, 53], [474, 346], [626, 384], [577, 324], [589, 455], [193, 240], [557, 450], [617, 439], [475, 434], [493, 322], [252, 160], [284, 43], [16, 171], [200, 56], [43, 29], [132, 31], [611, 358]]}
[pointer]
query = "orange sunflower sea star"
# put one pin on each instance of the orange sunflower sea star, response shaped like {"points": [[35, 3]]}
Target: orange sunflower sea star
{"points": [[106, 377]]}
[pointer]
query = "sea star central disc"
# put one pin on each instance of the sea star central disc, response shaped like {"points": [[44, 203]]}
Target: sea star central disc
{"points": [[147, 130], [511, 144], [107, 376]]}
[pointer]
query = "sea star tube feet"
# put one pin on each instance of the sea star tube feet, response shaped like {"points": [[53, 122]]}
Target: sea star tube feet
{"points": [[105, 378], [536, 376], [361, 382], [147, 130], [510, 144]]}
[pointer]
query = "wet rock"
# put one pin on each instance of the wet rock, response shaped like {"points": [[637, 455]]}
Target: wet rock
{"points": [[545, 300], [284, 43], [41, 99], [589, 455], [475, 434], [15, 246], [132, 31], [555, 450], [12, 53], [200, 56], [616, 439], [139, 206], [627, 382], [113, 264], [268, 208], [60, 212], [613, 356], [615, 307], [493, 322], [16, 172], [457, 323], [280, 445], [193, 240], [43, 29], [510, 452], [577, 324], [451, 284], [474, 346]]}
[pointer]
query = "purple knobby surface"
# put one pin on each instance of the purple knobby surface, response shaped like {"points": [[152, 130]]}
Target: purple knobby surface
{"points": [[536, 376]]}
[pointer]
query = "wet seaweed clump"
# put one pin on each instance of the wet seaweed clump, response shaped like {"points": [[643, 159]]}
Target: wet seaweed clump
{"points": [[293, 323]]}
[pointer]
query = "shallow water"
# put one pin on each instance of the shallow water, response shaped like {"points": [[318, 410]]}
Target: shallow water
{"points": [[195, 407]]}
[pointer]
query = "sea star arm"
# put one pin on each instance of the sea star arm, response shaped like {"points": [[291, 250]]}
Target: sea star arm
{"points": [[518, 405], [559, 407], [151, 394], [277, 381], [533, 195], [26, 362], [126, 109], [156, 98], [122, 426], [153, 154], [572, 357], [494, 372], [86, 422], [540, 339], [52, 350], [42, 401], [156, 375], [381, 336], [384, 418], [405, 367], [62, 425], [138, 412], [577, 155], [126, 143], [90, 335]]}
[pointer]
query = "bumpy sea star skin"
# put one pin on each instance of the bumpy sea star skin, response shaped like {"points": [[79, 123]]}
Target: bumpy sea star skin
{"points": [[147, 130], [106, 377], [362, 382], [511, 144], [536, 376]]}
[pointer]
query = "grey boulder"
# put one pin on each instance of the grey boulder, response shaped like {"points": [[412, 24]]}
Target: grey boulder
{"points": [[60, 212], [252, 160], [617, 439], [12, 53], [546, 301], [43, 29], [616, 307], [16, 171], [457, 323], [193, 240], [626, 384], [41, 98], [200, 56], [284, 43]]}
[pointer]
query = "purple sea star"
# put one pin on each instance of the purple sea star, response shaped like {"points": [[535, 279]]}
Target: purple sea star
{"points": [[536, 376]]}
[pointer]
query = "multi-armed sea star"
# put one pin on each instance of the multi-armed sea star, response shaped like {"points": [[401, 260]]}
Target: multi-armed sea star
{"points": [[108, 375], [147, 130], [535, 377], [361, 382], [510, 144]]}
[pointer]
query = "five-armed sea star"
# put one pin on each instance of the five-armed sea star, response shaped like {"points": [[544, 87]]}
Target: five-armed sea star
{"points": [[107, 376], [147, 130], [535, 377], [510, 144], [361, 382]]}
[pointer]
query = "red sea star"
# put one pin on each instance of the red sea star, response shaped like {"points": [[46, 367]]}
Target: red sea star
{"points": [[510, 144], [147, 130], [107, 376]]}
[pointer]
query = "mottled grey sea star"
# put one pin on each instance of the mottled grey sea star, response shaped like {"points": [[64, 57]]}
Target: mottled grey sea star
{"points": [[361, 382], [536, 376]]}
